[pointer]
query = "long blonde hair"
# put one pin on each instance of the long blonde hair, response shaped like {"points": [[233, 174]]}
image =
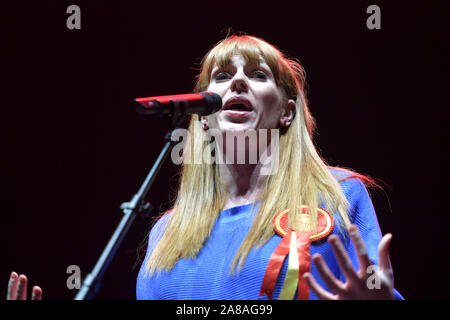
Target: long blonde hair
{"points": [[302, 178]]}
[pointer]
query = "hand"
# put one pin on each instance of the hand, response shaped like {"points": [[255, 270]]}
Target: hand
{"points": [[17, 288], [357, 283]]}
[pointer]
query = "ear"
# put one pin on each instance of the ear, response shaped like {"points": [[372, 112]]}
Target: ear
{"points": [[288, 113]]}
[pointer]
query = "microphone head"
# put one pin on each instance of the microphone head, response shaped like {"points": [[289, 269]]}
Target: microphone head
{"points": [[202, 103], [213, 102]]}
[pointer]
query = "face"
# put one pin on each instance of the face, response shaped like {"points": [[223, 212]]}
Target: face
{"points": [[251, 98]]}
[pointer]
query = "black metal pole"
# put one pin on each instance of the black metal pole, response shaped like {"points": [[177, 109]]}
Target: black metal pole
{"points": [[91, 283]]}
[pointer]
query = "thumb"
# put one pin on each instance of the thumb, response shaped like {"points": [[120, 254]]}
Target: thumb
{"points": [[383, 252]]}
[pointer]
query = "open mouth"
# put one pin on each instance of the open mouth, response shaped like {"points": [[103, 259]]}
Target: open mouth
{"points": [[238, 107]]}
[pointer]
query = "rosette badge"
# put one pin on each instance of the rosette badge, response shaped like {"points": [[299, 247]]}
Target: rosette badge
{"points": [[296, 243]]}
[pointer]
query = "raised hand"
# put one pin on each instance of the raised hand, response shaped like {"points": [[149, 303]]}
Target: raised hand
{"points": [[17, 288], [357, 284]]}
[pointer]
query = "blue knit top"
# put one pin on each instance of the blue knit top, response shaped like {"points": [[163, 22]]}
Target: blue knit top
{"points": [[208, 275]]}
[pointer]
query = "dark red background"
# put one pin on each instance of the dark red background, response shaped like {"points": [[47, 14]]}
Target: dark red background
{"points": [[73, 148]]}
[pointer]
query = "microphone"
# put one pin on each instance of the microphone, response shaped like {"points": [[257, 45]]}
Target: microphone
{"points": [[202, 103]]}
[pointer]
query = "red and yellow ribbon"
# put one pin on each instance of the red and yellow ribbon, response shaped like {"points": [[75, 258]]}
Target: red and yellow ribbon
{"points": [[297, 245]]}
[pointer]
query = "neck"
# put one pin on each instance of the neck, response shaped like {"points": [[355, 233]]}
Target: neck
{"points": [[243, 182]]}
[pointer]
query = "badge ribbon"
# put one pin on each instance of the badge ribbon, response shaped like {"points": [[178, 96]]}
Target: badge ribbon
{"points": [[297, 245]]}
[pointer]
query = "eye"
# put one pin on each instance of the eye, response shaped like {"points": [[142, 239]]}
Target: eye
{"points": [[222, 76], [260, 75]]}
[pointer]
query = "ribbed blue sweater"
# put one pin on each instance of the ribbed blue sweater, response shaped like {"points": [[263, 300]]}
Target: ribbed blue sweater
{"points": [[208, 275]]}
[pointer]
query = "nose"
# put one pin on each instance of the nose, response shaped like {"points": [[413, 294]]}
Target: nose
{"points": [[239, 82]]}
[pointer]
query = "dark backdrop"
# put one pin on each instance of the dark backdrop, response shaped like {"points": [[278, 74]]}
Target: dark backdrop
{"points": [[73, 147]]}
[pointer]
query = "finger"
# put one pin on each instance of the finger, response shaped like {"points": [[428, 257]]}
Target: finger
{"points": [[317, 289], [12, 286], [36, 293], [383, 252], [22, 288], [330, 280], [361, 250], [342, 258]]}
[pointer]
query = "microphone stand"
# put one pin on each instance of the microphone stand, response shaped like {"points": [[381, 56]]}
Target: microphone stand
{"points": [[91, 284]]}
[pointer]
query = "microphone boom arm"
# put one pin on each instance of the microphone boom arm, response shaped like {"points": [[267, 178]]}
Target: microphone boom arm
{"points": [[91, 283]]}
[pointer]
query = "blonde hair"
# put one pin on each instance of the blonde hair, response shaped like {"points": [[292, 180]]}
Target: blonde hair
{"points": [[302, 178]]}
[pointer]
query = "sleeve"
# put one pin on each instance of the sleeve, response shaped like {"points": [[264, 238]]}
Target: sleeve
{"points": [[362, 214], [146, 288]]}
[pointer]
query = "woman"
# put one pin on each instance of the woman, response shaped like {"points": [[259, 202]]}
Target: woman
{"points": [[220, 242], [239, 230]]}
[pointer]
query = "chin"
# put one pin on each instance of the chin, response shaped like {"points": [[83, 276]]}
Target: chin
{"points": [[232, 127]]}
